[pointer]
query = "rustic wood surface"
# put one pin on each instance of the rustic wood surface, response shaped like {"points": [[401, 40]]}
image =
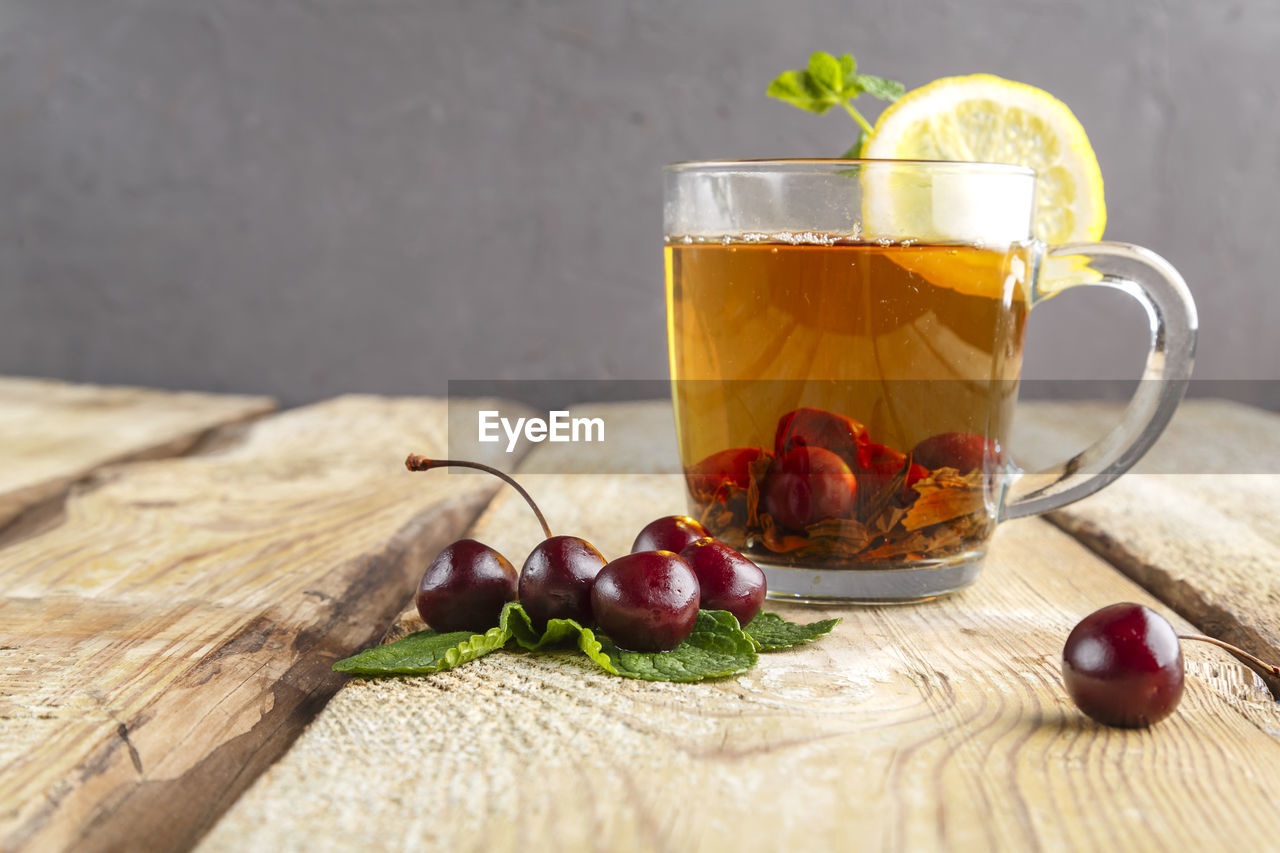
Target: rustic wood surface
{"points": [[936, 726], [1198, 520], [169, 628], [53, 433]]}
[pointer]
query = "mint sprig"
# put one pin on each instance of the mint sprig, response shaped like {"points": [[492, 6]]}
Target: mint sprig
{"points": [[830, 81], [772, 632], [718, 647]]}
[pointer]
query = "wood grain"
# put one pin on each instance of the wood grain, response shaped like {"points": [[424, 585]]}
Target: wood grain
{"points": [[53, 433], [165, 636], [1198, 520], [936, 726]]}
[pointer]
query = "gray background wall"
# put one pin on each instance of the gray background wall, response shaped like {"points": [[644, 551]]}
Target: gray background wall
{"points": [[305, 197]]}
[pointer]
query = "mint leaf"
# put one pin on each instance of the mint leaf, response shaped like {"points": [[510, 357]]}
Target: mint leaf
{"points": [[849, 69], [879, 87], [717, 648], [799, 89], [423, 653], [826, 72], [519, 624], [773, 632]]}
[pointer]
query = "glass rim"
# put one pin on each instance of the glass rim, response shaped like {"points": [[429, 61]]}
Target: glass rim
{"points": [[824, 163]]}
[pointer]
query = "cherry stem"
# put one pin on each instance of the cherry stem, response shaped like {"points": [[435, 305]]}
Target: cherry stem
{"points": [[422, 463], [1272, 669]]}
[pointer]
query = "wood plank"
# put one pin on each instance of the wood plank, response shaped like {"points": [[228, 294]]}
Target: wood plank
{"points": [[54, 433], [937, 726], [165, 636], [1197, 522]]}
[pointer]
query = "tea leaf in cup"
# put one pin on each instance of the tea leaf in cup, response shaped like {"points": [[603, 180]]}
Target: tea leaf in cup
{"points": [[944, 495]]}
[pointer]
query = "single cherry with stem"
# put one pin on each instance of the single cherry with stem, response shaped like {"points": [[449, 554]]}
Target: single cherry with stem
{"points": [[1123, 666], [555, 581]]}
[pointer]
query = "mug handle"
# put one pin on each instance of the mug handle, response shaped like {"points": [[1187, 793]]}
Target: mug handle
{"points": [[1172, 315]]}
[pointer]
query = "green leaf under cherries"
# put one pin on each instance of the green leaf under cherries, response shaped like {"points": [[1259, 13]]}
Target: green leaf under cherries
{"points": [[718, 647], [423, 653], [773, 633], [559, 632]]}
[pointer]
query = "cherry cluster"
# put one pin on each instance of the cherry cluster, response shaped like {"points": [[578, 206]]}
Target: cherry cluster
{"points": [[824, 465], [646, 601], [1122, 665]]}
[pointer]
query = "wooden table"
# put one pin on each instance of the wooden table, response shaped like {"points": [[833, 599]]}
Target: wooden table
{"points": [[177, 573]]}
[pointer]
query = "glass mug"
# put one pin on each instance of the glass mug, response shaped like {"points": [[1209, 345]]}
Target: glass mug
{"points": [[846, 341]]}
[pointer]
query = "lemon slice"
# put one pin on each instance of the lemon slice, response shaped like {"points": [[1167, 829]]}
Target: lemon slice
{"points": [[984, 118]]}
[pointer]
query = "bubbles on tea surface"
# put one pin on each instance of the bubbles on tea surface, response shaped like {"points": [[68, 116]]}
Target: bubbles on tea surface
{"points": [[805, 238], [790, 238]]}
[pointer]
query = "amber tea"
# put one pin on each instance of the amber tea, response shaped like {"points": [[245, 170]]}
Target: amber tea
{"points": [[842, 403]]}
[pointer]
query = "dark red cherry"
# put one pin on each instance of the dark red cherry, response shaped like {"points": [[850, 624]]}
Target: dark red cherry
{"points": [[712, 478], [809, 484], [728, 580], [964, 451], [879, 463], [669, 533], [555, 582], [809, 427], [1123, 666], [465, 587], [646, 602]]}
